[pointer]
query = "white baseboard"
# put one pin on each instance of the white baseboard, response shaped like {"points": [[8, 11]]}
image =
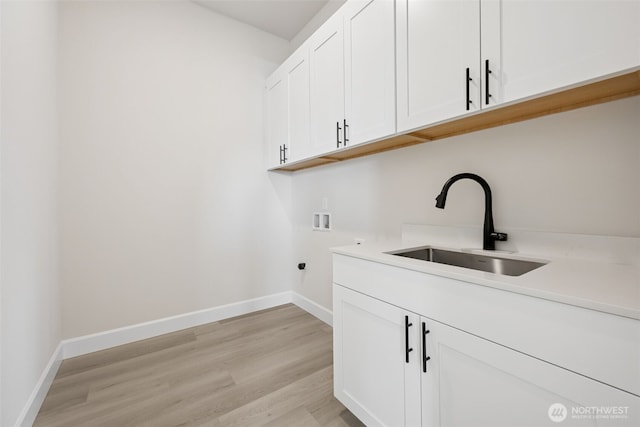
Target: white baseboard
{"points": [[103, 340], [313, 308], [31, 409]]}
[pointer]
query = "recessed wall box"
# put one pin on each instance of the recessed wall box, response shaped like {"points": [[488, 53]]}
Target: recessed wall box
{"points": [[322, 221]]}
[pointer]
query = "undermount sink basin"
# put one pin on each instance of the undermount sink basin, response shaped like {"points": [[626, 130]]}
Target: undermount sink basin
{"points": [[491, 264]]}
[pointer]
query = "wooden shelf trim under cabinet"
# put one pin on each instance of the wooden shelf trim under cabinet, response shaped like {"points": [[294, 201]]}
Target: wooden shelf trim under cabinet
{"points": [[610, 89]]}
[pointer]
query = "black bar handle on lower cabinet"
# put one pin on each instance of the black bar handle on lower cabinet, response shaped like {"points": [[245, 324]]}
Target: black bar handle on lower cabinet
{"points": [[487, 71], [407, 349], [425, 358], [338, 129], [468, 79], [346, 126]]}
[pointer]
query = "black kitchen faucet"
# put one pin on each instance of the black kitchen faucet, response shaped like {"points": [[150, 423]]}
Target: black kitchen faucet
{"points": [[489, 236]]}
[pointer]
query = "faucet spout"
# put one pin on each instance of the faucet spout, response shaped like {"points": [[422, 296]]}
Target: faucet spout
{"points": [[489, 236], [441, 199]]}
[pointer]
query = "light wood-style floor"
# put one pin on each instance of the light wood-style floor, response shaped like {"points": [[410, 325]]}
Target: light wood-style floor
{"points": [[270, 368]]}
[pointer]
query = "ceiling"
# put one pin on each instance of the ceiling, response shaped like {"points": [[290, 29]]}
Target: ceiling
{"points": [[284, 18]]}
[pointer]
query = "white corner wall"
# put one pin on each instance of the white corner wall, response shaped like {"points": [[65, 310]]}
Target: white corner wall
{"points": [[29, 291], [166, 205], [574, 172]]}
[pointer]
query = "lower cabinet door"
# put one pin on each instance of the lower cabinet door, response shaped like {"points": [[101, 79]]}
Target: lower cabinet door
{"points": [[376, 359], [474, 382]]}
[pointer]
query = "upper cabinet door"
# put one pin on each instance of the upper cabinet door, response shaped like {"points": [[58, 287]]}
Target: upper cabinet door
{"points": [[437, 42], [277, 136], [287, 92], [539, 46], [369, 44], [297, 78], [326, 55]]}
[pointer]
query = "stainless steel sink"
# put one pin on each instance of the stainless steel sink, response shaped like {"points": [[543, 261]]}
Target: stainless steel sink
{"points": [[491, 264]]}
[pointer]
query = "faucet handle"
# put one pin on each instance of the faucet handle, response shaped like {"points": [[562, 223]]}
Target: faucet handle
{"points": [[500, 237]]}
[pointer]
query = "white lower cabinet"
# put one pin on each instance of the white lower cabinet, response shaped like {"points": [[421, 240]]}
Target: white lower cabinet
{"points": [[471, 381], [395, 368], [372, 377]]}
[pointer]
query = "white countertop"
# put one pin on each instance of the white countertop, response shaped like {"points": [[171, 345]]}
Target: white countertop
{"points": [[605, 285]]}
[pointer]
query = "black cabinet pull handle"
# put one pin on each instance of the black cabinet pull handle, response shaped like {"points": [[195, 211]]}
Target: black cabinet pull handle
{"points": [[425, 358], [468, 79], [281, 151], [284, 153], [338, 129], [487, 71], [345, 139], [407, 349]]}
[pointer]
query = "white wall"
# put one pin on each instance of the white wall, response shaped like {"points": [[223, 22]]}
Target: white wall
{"points": [[29, 291], [575, 172], [166, 206]]}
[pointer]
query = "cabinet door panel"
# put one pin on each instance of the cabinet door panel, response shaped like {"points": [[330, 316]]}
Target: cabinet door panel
{"points": [[298, 103], [276, 117], [481, 383], [546, 45], [372, 377], [437, 41], [369, 31], [327, 85]]}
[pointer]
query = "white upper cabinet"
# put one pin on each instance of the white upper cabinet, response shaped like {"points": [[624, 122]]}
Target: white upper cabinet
{"points": [[513, 49], [297, 75], [370, 85], [352, 60], [277, 123], [380, 68], [288, 110], [537, 46], [326, 55], [438, 47]]}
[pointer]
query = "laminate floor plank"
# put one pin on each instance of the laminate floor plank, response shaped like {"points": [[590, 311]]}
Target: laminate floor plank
{"points": [[63, 398], [282, 401], [269, 368], [327, 411], [297, 351], [216, 404], [123, 367], [299, 417], [124, 352]]}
